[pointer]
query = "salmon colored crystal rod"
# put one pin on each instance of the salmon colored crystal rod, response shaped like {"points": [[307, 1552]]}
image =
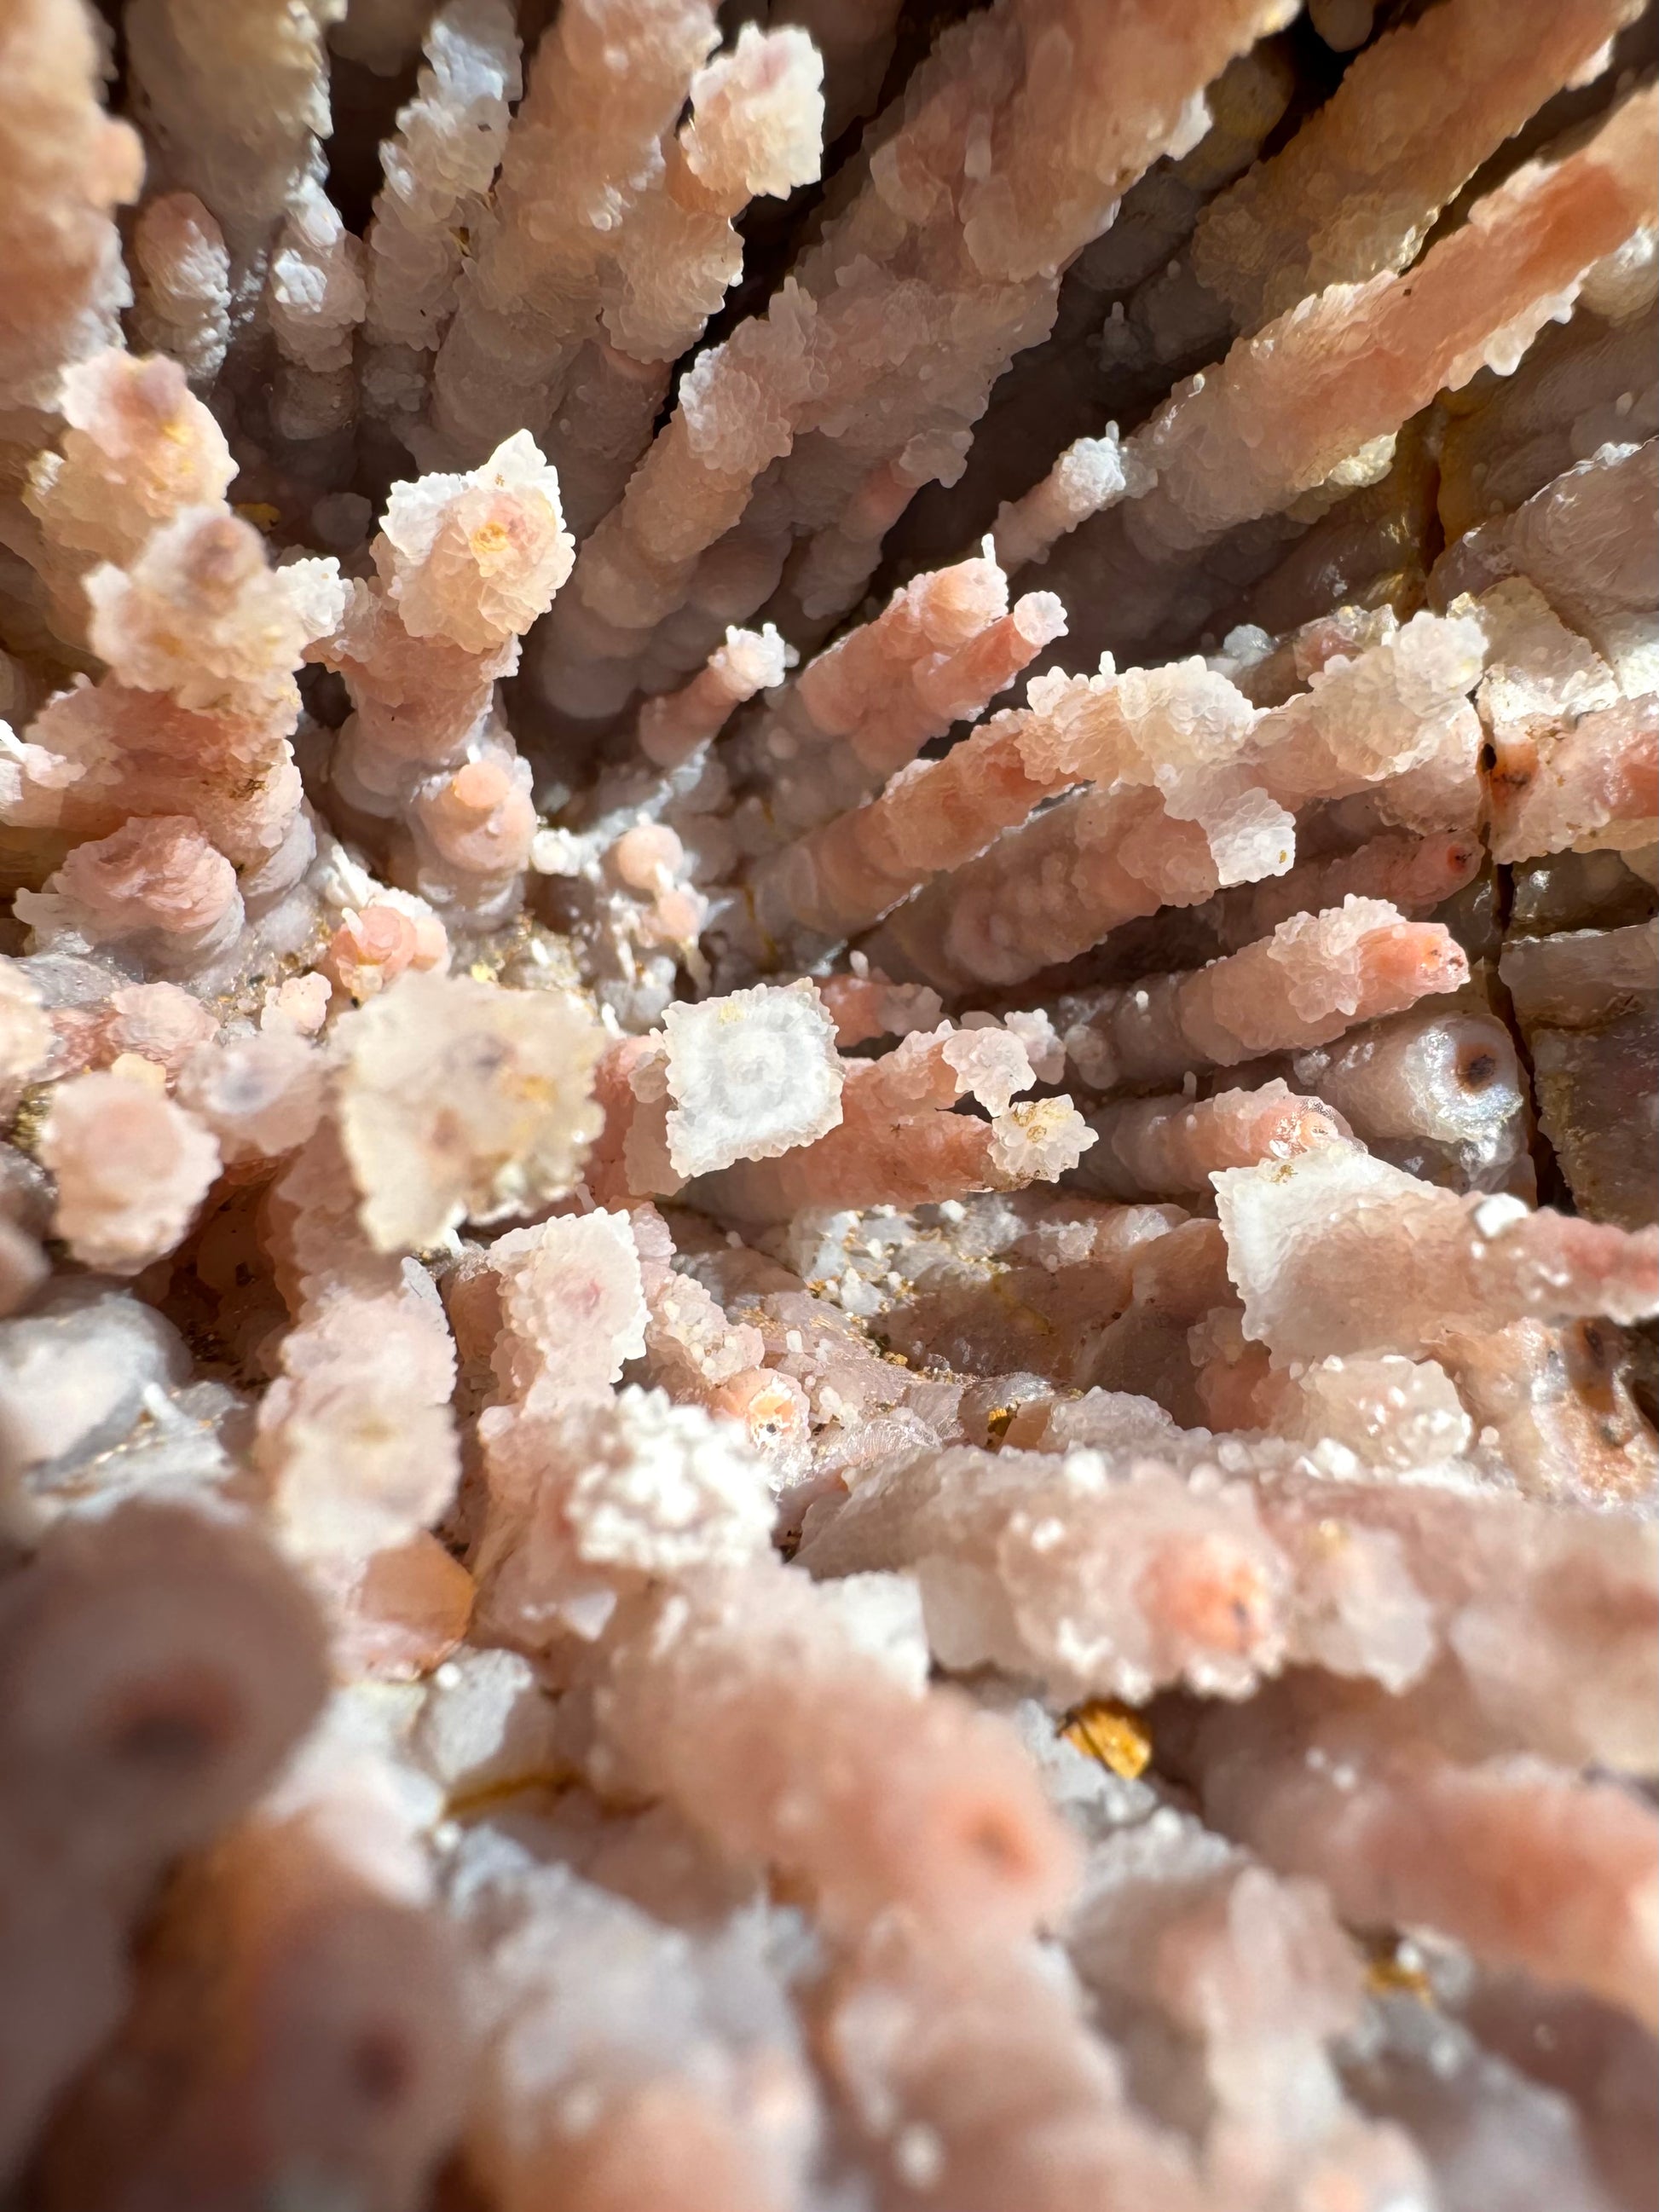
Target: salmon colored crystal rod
{"points": [[1312, 979]]}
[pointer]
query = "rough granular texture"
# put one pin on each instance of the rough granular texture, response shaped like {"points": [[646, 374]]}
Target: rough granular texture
{"points": [[829, 1246]]}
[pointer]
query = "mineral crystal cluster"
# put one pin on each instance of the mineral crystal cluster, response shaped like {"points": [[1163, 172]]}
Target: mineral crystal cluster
{"points": [[828, 1253]]}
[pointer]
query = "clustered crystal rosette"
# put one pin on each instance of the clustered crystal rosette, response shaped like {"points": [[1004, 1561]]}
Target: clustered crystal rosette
{"points": [[827, 1254]]}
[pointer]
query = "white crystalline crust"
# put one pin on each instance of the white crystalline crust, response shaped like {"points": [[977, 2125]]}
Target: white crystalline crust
{"points": [[438, 169], [751, 1075], [1337, 1251], [426, 576], [572, 1303], [458, 1102], [662, 1489]]}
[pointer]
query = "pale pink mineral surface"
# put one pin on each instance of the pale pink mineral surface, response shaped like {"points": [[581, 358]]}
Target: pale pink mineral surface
{"points": [[829, 1250]]}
